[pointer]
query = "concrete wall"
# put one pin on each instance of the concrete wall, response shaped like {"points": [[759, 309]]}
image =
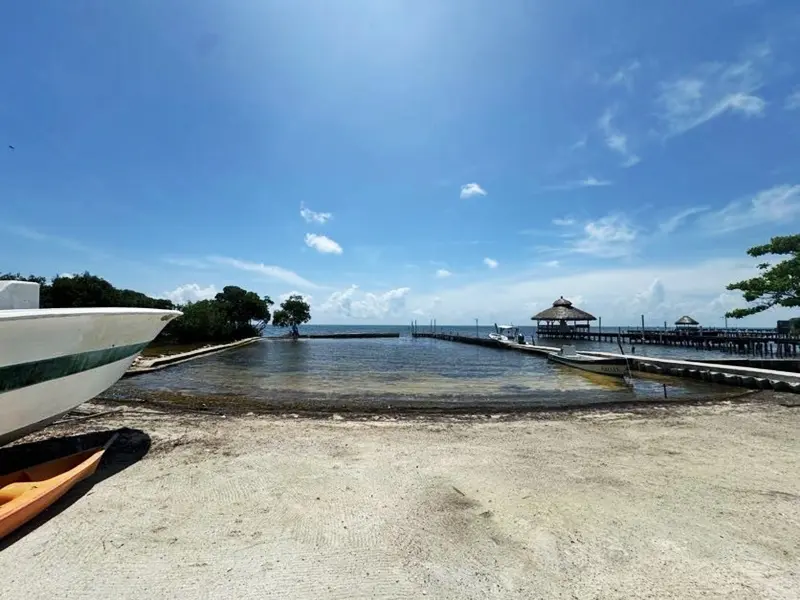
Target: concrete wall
{"points": [[791, 365], [18, 294]]}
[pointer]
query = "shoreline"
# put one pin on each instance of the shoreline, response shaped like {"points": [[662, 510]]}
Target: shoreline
{"points": [[651, 503], [366, 407], [143, 365]]}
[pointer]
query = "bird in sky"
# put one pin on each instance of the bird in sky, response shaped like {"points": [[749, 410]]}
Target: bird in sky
{"points": [[10, 147]]}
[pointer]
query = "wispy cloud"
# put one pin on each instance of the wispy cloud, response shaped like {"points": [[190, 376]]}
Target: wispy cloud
{"points": [[566, 222], [552, 264], [616, 140], [608, 237], [443, 273], [189, 263], [624, 75], [712, 90], [580, 144], [56, 240], [322, 244], [778, 205], [588, 182], [491, 263], [314, 217], [792, 100], [680, 218], [269, 271], [469, 190]]}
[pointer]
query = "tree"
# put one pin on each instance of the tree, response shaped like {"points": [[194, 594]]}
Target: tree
{"points": [[243, 307], [778, 284], [201, 322], [294, 311]]}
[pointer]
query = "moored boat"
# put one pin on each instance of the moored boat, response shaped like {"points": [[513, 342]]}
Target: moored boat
{"points": [[615, 367], [507, 334], [26, 493], [52, 360]]}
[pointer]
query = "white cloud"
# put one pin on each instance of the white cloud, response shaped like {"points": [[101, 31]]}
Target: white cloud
{"points": [[792, 100], [190, 292], [442, 273], [608, 237], [678, 219], [779, 205], [322, 244], [269, 271], [588, 182], [314, 217], [564, 222], [283, 297], [552, 264], [616, 140], [66, 275], [650, 299], [491, 263], [712, 90], [359, 305], [468, 190]]}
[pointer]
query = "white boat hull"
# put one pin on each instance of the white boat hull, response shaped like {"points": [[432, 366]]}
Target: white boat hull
{"points": [[52, 360], [611, 367]]}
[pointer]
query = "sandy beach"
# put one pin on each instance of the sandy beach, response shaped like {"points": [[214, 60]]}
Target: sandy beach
{"points": [[678, 502]]}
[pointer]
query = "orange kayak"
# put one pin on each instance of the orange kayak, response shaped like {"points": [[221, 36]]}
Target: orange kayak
{"points": [[26, 493]]}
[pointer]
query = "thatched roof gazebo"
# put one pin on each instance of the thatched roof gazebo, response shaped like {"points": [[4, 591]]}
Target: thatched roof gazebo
{"points": [[686, 322], [557, 318]]}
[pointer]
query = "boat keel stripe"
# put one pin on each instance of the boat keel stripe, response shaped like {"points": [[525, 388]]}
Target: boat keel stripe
{"points": [[14, 377]]}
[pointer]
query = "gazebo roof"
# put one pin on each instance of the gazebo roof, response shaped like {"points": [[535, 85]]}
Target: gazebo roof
{"points": [[686, 320], [562, 310]]}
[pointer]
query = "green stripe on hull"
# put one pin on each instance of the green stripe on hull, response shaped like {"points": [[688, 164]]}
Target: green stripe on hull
{"points": [[14, 377]]}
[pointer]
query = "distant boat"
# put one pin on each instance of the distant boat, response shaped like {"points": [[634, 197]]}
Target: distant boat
{"points": [[507, 334], [615, 367], [26, 493], [52, 360]]}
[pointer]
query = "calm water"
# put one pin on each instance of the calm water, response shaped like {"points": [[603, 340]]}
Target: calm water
{"points": [[395, 371], [483, 331]]}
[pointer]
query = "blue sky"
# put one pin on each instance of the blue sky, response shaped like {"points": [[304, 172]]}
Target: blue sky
{"points": [[398, 160]]}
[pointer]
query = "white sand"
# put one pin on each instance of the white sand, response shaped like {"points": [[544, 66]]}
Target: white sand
{"points": [[686, 503]]}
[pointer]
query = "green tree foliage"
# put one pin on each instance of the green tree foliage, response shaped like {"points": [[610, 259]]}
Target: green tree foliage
{"points": [[243, 307], [203, 321], [294, 311], [778, 284]]}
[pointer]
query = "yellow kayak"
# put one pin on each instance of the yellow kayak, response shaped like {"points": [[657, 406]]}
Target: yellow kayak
{"points": [[26, 493]]}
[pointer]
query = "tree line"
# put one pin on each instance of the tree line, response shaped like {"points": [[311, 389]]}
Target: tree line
{"points": [[233, 314]]}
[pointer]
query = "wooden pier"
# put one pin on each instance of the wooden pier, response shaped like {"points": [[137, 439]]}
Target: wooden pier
{"points": [[758, 342]]}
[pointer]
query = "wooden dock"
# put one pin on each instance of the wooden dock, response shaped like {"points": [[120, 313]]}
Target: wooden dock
{"points": [[737, 374], [764, 342]]}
